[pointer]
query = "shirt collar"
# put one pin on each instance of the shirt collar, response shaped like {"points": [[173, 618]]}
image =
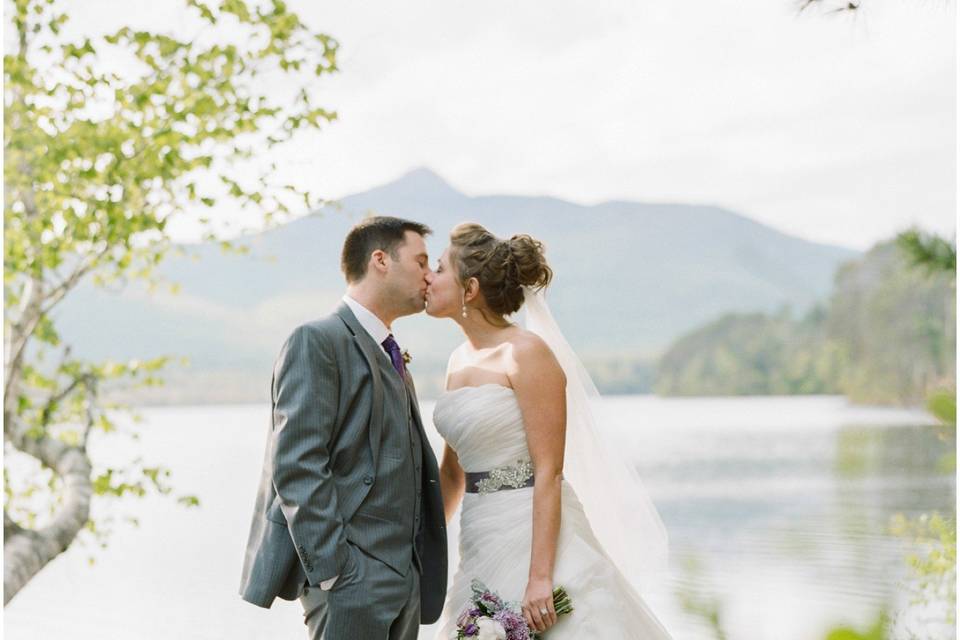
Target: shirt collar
{"points": [[368, 320]]}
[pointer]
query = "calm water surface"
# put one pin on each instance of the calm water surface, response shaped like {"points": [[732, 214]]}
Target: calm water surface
{"points": [[777, 508]]}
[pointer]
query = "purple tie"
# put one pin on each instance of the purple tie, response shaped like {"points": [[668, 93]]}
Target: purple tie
{"points": [[393, 350]]}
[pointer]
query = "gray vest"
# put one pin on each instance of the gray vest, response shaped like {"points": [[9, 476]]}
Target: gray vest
{"points": [[387, 521]]}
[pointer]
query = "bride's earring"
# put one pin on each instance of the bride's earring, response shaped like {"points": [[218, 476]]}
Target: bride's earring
{"points": [[463, 305]]}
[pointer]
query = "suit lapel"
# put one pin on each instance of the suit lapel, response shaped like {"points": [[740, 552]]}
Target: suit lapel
{"points": [[408, 383], [368, 348]]}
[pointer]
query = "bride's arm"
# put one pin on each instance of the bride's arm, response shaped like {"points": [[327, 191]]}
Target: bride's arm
{"points": [[540, 387], [452, 482], [452, 479]]}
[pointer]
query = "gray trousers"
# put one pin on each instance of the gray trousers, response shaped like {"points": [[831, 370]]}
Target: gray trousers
{"points": [[369, 601]]}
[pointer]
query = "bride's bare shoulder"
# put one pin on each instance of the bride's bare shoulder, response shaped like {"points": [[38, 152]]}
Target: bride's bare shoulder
{"points": [[530, 353], [527, 342], [457, 354], [461, 350]]}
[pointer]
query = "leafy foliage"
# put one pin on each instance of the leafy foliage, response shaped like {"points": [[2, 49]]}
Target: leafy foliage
{"points": [[934, 564], [877, 631], [887, 335], [108, 141], [929, 251], [697, 602], [943, 405], [751, 354]]}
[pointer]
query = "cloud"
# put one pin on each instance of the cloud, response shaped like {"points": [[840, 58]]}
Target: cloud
{"points": [[836, 129]]}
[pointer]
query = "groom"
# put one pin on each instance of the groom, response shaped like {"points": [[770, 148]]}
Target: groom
{"points": [[349, 517]]}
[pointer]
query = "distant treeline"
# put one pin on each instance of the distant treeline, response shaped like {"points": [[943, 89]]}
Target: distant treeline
{"points": [[621, 375], [887, 335]]}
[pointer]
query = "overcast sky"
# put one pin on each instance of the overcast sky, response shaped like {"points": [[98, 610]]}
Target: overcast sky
{"points": [[835, 129]]}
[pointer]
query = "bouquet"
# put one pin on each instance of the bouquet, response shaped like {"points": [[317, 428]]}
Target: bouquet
{"points": [[488, 617]]}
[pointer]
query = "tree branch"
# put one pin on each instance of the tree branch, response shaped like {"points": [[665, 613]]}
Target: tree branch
{"points": [[61, 290], [27, 551], [16, 344], [91, 384]]}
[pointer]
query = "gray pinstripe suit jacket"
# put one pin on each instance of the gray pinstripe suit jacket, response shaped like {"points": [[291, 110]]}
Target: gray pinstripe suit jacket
{"points": [[320, 464]]}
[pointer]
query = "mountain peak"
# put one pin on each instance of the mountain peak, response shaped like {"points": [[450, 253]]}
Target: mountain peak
{"points": [[424, 176], [420, 184]]}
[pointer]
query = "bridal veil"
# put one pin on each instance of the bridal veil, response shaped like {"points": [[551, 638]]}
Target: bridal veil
{"points": [[620, 511]]}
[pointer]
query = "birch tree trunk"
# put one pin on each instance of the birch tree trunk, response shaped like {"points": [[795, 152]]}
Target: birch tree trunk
{"points": [[27, 551]]}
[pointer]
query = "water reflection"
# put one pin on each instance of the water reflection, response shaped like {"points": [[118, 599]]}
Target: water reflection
{"points": [[794, 516], [912, 451], [784, 502]]}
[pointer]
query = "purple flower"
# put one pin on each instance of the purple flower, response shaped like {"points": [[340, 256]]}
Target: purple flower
{"points": [[471, 630], [514, 624], [492, 601]]}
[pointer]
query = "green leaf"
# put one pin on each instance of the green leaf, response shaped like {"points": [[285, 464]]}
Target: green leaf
{"points": [[189, 501], [100, 192], [943, 405]]}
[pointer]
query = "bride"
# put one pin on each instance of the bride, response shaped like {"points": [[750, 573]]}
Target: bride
{"points": [[544, 501]]}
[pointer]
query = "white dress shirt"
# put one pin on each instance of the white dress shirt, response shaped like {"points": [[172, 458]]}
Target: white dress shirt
{"points": [[370, 323], [379, 332]]}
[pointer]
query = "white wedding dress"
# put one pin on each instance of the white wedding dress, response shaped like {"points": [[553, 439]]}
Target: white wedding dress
{"points": [[484, 426]]}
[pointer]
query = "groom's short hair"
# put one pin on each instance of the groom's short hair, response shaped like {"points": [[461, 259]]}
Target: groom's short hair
{"points": [[385, 233]]}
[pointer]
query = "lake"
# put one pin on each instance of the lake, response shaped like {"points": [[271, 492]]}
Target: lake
{"points": [[777, 507]]}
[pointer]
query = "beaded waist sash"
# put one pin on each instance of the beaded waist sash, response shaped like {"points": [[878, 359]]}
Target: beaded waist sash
{"points": [[516, 476]]}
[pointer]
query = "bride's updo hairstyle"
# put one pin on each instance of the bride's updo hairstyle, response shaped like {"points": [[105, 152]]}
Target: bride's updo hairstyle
{"points": [[501, 267]]}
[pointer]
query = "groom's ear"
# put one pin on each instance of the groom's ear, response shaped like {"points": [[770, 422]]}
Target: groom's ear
{"points": [[378, 261]]}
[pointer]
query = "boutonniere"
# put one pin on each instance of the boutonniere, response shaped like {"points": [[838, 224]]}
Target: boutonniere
{"points": [[406, 356]]}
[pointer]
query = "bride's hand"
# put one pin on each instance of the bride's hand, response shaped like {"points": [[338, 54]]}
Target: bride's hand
{"points": [[539, 598]]}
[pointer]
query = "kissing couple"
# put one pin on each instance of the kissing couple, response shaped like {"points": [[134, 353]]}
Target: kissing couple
{"points": [[351, 513]]}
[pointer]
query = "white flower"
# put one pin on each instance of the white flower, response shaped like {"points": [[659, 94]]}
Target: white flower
{"points": [[490, 629]]}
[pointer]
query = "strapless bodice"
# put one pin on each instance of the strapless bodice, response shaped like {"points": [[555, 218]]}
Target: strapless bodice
{"points": [[483, 424]]}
